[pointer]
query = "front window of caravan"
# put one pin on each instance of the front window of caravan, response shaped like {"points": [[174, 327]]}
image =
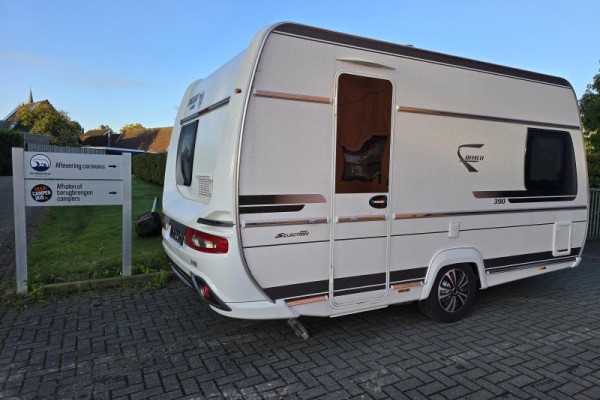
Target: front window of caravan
{"points": [[185, 153], [550, 163]]}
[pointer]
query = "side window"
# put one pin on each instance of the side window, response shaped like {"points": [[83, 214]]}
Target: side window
{"points": [[185, 153], [550, 163], [364, 116]]}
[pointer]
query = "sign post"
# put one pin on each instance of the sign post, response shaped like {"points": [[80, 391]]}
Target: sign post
{"points": [[20, 220], [64, 179]]}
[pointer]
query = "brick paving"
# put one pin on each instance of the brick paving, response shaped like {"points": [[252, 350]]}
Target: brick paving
{"points": [[536, 338]]}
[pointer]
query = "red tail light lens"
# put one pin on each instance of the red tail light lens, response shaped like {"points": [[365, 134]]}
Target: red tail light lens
{"points": [[205, 292], [205, 242]]}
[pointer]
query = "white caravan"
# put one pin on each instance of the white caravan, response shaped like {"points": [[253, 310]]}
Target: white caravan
{"points": [[319, 173]]}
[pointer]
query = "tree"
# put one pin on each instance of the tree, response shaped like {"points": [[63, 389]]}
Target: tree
{"points": [[132, 127], [590, 105], [46, 120]]}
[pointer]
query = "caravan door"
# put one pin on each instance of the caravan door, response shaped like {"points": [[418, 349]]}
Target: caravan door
{"points": [[361, 213]]}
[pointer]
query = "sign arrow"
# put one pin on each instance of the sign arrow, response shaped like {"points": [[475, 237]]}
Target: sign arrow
{"points": [[112, 166], [112, 192]]}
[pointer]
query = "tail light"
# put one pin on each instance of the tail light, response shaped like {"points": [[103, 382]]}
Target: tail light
{"points": [[207, 294], [205, 291], [205, 242]]}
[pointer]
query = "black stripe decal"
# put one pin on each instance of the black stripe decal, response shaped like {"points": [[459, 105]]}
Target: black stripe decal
{"points": [[298, 289], [212, 222], [372, 282], [357, 281], [271, 199], [523, 196], [405, 51], [525, 258], [271, 209], [541, 199], [346, 285], [408, 274]]}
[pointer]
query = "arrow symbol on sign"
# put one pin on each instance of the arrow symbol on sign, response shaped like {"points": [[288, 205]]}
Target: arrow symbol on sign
{"points": [[112, 192], [112, 166]]}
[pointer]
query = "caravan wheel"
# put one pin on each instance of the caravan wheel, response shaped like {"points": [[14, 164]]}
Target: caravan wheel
{"points": [[452, 294]]}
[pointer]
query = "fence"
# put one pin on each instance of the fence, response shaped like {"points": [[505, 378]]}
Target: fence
{"points": [[594, 214], [49, 148]]}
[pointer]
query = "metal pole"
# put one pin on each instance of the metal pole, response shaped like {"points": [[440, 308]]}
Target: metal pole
{"points": [[20, 220], [126, 214]]}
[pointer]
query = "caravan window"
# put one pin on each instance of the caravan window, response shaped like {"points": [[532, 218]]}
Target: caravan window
{"points": [[185, 153], [550, 163]]}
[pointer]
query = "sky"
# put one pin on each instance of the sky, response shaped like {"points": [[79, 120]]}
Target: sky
{"points": [[127, 61]]}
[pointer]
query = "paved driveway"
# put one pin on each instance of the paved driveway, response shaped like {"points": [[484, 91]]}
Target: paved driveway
{"points": [[537, 338]]}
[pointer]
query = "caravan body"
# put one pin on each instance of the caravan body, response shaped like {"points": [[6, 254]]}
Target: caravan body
{"points": [[322, 174]]}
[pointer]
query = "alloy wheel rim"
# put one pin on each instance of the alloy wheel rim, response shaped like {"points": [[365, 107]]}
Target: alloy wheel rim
{"points": [[453, 290]]}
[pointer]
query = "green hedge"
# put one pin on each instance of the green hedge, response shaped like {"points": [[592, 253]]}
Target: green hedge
{"points": [[150, 167], [8, 140]]}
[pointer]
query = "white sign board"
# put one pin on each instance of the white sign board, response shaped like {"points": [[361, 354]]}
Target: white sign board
{"points": [[72, 166], [66, 179], [72, 193]]}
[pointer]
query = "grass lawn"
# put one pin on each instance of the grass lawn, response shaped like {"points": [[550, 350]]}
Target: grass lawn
{"points": [[85, 242]]}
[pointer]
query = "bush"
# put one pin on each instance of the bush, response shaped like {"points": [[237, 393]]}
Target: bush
{"points": [[8, 140], [150, 167], [593, 164]]}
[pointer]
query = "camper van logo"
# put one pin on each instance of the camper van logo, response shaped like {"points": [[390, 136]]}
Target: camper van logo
{"points": [[288, 235], [468, 159], [41, 193], [40, 162]]}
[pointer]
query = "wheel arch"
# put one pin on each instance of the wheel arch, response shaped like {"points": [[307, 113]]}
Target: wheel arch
{"points": [[462, 255]]}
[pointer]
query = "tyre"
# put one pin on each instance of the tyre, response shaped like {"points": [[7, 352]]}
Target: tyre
{"points": [[452, 294]]}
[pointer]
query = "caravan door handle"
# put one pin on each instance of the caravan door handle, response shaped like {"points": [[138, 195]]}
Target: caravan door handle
{"points": [[379, 201]]}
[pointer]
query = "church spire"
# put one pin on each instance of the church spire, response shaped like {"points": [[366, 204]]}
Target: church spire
{"points": [[30, 97]]}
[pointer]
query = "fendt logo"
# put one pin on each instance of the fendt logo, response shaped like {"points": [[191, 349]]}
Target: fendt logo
{"points": [[40, 162], [468, 159], [197, 98]]}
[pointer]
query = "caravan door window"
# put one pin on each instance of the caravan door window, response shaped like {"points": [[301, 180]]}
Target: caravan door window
{"points": [[364, 115], [185, 153]]}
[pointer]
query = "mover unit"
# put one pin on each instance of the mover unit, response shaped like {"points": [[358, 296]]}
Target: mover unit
{"points": [[319, 173]]}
